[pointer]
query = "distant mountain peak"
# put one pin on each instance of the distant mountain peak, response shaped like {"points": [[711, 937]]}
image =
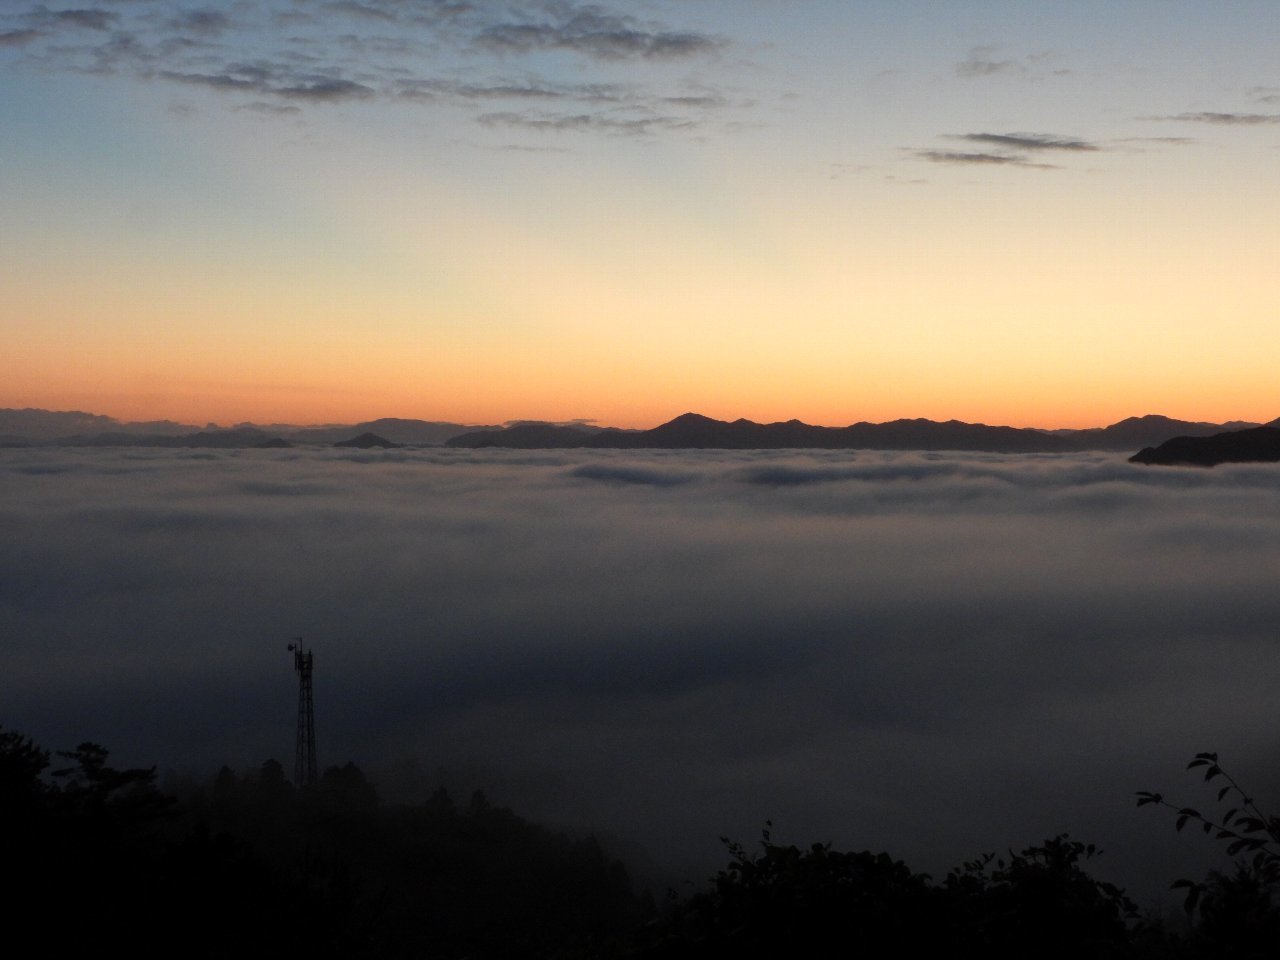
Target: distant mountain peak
{"points": [[367, 441]]}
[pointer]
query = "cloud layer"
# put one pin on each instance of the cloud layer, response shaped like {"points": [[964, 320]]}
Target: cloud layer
{"points": [[285, 53], [1007, 149], [934, 655]]}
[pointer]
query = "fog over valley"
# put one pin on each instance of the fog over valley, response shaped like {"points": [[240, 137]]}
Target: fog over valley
{"points": [[933, 654]]}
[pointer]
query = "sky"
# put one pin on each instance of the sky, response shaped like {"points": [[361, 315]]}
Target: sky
{"points": [[937, 656], [1027, 213]]}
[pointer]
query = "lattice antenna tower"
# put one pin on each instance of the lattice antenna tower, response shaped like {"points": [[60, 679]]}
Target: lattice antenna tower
{"points": [[304, 757]]}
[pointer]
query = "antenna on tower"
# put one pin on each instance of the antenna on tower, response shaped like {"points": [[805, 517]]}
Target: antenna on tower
{"points": [[304, 758]]}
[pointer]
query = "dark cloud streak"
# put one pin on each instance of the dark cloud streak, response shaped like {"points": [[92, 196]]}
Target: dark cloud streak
{"points": [[367, 11], [961, 158], [579, 122], [592, 32], [1011, 150], [325, 89], [263, 81], [1224, 118], [85, 18], [1028, 141], [206, 22], [505, 90], [18, 38]]}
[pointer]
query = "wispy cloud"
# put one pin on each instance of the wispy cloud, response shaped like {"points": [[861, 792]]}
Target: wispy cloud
{"points": [[1223, 118], [1171, 141], [348, 51], [18, 38], [242, 79], [982, 62], [268, 81], [209, 22], [594, 32], [590, 108], [1028, 141], [706, 101], [88, 19], [270, 109], [962, 157], [986, 60], [368, 11], [605, 123], [325, 89], [522, 90], [1007, 150]]}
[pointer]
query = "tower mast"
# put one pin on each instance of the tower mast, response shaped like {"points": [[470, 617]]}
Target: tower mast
{"points": [[304, 758]]}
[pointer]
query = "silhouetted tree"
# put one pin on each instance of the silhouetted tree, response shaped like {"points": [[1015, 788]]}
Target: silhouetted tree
{"points": [[346, 788], [815, 902], [1041, 900], [1236, 914], [440, 804], [21, 766], [247, 867], [819, 902]]}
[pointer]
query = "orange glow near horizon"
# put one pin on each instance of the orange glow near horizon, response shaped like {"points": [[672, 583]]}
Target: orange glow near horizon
{"points": [[773, 319], [186, 401]]}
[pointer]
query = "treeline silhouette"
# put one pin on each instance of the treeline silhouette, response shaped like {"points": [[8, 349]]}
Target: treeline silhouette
{"points": [[99, 859], [248, 866]]}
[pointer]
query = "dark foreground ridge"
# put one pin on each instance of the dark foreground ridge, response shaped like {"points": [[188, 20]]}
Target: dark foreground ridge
{"points": [[247, 865], [1258, 445]]}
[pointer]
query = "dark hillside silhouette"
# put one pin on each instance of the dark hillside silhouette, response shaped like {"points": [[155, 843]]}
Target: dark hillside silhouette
{"points": [[99, 860], [247, 866], [1258, 445]]}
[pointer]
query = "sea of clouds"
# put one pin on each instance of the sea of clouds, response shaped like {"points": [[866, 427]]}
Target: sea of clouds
{"points": [[933, 654]]}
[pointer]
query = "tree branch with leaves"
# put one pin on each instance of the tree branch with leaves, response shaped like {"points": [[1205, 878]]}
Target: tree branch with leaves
{"points": [[1244, 827]]}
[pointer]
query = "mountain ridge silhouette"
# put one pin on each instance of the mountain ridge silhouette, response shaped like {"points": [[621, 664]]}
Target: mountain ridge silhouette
{"points": [[29, 427]]}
